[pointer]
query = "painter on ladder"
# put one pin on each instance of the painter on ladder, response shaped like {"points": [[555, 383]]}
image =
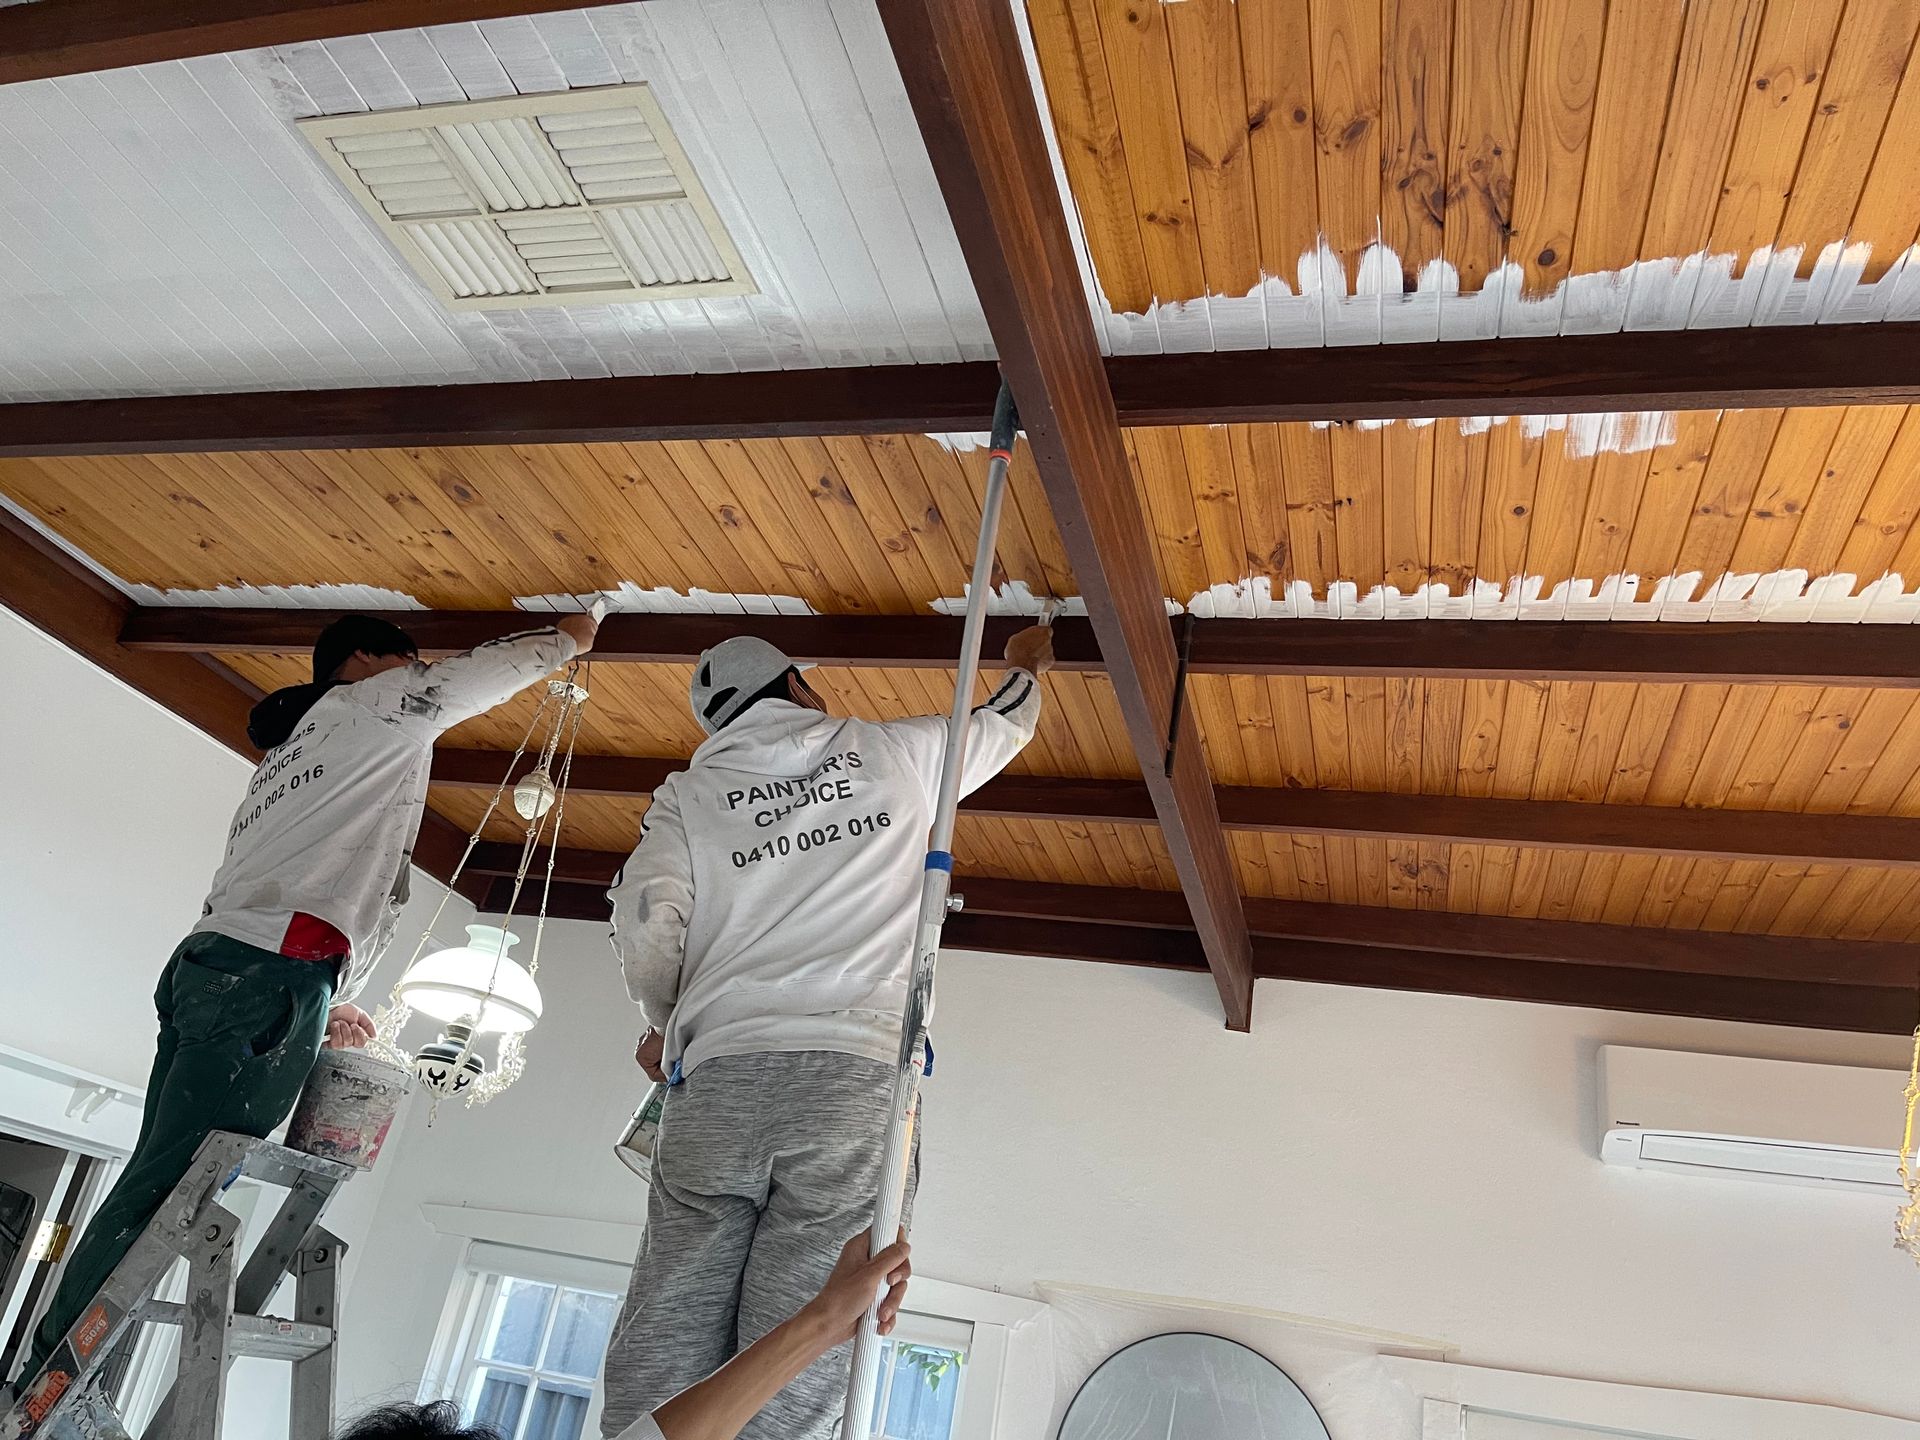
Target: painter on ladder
{"points": [[305, 900], [765, 925]]}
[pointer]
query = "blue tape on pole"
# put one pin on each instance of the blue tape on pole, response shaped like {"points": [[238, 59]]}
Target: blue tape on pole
{"points": [[940, 860]]}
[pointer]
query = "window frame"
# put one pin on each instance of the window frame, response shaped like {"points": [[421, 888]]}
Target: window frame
{"points": [[927, 1332], [484, 1268]]}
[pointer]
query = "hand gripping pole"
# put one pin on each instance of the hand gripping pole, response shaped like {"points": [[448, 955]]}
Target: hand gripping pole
{"points": [[937, 880]]}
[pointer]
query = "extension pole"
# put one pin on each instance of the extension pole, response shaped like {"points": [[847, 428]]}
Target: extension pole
{"points": [[937, 881]]}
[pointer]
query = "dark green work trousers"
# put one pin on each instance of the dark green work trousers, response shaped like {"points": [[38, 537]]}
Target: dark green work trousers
{"points": [[239, 1030]]}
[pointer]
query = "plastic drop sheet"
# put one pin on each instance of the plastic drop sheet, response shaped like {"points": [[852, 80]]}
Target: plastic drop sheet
{"points": [[1350, 1394]]}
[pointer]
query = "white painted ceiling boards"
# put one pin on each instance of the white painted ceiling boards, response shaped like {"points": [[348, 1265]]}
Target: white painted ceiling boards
{"points": [[165, 229]]}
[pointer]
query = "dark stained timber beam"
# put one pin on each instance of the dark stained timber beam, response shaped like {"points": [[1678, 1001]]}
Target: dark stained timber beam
{"points": [[1685, 370], [55, 594], [1774, 980], [898, 399], [1688, 369], [1775, 836], [966, 78], [1872, 656], [919, 642], [69, 37]]}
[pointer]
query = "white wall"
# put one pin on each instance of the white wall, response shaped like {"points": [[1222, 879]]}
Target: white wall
{"points": [[116, 816], [1408, 1163]]}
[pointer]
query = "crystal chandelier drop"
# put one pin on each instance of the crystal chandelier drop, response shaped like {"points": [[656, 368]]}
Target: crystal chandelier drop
{"points": [[1906, 1225], [479, 989]]}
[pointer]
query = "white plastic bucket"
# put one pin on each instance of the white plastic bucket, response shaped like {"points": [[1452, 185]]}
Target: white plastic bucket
{"points": [[348, 1107]]}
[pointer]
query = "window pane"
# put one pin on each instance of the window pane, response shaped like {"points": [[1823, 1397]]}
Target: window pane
{"points": [[557, 1415], [519, 1315], [496, 1400], [581, 1327], [926, 1390]]}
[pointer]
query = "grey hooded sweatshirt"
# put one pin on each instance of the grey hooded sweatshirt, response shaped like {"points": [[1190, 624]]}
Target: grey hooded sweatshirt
{"points": [[329, 819]]}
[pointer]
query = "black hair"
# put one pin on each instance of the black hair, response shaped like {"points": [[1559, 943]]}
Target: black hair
{"points": [[438, 1421], [351, 635]]}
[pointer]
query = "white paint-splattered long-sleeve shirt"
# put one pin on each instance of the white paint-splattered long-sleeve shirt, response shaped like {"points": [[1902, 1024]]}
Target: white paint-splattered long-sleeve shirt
{"points": [[771, 902], [329, 819]]}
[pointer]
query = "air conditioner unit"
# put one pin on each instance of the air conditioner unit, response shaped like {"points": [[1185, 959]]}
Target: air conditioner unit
{"points": [[1732, 1117]]}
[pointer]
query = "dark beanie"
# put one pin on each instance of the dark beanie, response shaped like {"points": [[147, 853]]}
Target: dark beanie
{"points": [[351, 634]]}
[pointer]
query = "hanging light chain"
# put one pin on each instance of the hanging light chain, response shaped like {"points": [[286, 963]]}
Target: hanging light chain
{"points": [[560, 712]]}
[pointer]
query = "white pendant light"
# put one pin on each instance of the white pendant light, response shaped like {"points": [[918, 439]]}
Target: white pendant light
{"points": [[476, 984], [479, 988]]}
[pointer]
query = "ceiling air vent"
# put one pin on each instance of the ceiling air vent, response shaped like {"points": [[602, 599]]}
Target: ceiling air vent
{"points": [[579, 197]]}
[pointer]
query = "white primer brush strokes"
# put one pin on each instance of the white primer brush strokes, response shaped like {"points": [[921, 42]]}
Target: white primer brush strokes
{"points": [[1784, 596], [1014, 597], [1698, 291], [961, 442], [1610, 432], [277, 597], [630, 598]]}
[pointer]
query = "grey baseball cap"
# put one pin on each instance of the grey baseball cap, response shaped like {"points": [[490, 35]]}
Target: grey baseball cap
{"points": [[727, 677]]}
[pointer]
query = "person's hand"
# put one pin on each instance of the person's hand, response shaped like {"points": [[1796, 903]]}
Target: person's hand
{"points": [[580, 629], [856, 1279], [649, 1052], [348, 1027], [1032, 649]]}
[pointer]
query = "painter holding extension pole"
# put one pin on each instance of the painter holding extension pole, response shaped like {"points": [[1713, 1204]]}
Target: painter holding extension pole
{"points": [[935, 901], [766, 925]]}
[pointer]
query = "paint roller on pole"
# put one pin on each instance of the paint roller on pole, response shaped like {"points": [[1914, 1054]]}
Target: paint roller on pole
{"points": [[935, 899]]}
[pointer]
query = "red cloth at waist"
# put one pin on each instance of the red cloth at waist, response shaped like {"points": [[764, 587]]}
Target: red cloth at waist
{"points": [[311, 938]]}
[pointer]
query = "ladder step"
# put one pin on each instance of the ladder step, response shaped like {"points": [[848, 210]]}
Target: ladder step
{"points": [[263, 1336], [277, 1165]]}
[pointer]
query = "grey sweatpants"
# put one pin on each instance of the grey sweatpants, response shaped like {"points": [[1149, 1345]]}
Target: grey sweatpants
{"points": [[765, 1167]]}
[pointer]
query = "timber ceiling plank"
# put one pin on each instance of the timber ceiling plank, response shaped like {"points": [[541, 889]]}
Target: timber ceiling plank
{"points": [[1807, 514], [1580, 166]]}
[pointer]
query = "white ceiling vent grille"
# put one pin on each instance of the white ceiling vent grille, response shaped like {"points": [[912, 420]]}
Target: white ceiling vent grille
{"points": [[580, 197]]}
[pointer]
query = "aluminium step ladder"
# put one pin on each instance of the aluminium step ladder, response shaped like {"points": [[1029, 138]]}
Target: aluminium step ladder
{"points": [[71, 1398]]}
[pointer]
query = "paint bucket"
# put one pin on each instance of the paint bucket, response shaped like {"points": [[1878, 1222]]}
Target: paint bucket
{"points": [[636, 1142], [348, 1107]]}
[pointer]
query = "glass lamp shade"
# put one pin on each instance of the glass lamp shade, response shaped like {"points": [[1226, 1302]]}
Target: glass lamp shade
{"points": [[475, 984]]}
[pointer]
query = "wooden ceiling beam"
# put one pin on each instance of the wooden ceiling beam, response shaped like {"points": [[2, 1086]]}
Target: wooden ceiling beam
{"points": [[1549, 942], [54, 593], [1687, 369], [966, 77], [1775, 836], [71, 37], [1872, 656], [1765, 979]]}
